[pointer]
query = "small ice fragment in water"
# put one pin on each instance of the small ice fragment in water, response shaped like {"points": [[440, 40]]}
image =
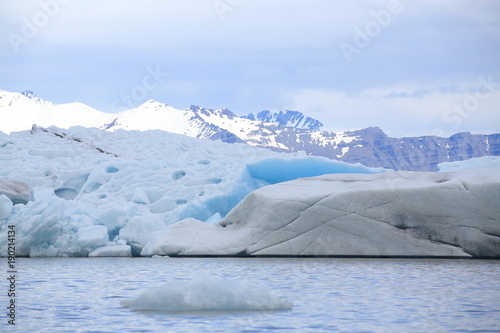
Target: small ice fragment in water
{"points": [[208, 294]]}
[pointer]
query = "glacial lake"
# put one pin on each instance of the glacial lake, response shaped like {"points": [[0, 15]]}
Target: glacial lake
{"points": [[328, 295]]}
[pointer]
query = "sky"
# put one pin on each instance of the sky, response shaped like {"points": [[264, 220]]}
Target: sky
{"points": [[410, 67]]}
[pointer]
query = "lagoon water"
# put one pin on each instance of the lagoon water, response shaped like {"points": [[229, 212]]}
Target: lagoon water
{"points": [[329, 295]]}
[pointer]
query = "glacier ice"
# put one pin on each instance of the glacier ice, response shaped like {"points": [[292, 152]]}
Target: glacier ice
{"points": [[6, 206], [92, 236], [383, 214], [277, 170], [112, 251], [88, 189], [208, 294]]}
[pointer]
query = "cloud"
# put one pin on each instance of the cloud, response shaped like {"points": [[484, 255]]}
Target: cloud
{"points": [[261, 54], [403, 110]]}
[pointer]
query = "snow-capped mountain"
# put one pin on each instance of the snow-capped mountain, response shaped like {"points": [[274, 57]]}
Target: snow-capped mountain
{"points": [[29, 94], [287, 131], [19, 111]]}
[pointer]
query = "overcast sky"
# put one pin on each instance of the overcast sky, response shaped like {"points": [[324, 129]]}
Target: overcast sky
{"points": [[410, 67]]}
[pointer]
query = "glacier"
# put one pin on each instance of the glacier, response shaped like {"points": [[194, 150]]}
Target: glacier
{"points": [[446, 214], [89, 192]]}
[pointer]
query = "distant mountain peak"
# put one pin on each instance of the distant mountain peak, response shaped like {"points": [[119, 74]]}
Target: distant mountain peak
{"points": [[223, 112], [194, 108], [152, 103], [31, 95], [28, 93], [287, 118]]}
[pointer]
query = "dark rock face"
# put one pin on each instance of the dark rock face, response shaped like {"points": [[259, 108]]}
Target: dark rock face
{"points": [[419, 153]]}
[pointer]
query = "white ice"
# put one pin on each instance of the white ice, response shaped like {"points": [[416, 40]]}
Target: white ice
{"points": [[208, 294], [92, 189], [384, 214], [6, 206]]}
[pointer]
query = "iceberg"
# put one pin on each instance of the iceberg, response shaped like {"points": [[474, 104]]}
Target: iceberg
{"points": [[208, 294], [446, 214]]}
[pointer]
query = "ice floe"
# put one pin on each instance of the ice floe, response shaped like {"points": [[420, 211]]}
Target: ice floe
{"points": [[208, 294]]}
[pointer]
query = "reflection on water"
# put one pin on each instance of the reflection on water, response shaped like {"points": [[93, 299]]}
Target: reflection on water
{"points": [[352, 295]]}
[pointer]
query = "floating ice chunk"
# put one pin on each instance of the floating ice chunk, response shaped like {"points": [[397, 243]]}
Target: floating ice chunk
{"points": [[93, 236], [17, 192], [112, 251], [5, 207], [208, 294]]}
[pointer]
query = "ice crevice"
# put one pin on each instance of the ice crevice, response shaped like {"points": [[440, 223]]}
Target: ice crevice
{"points": [[63, 135]]}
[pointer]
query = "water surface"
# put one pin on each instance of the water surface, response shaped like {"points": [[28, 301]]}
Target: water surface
{"points": [[329, 295]]}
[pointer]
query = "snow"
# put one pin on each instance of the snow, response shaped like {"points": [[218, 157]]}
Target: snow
{"points": [[344, 151], [152, 114], [208, 294], [19, 112], [340, 137], [383, 214], [87, 190]]}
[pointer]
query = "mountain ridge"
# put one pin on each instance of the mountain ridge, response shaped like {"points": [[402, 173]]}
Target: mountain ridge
{"points": [[286, 118], [286, 131]]}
